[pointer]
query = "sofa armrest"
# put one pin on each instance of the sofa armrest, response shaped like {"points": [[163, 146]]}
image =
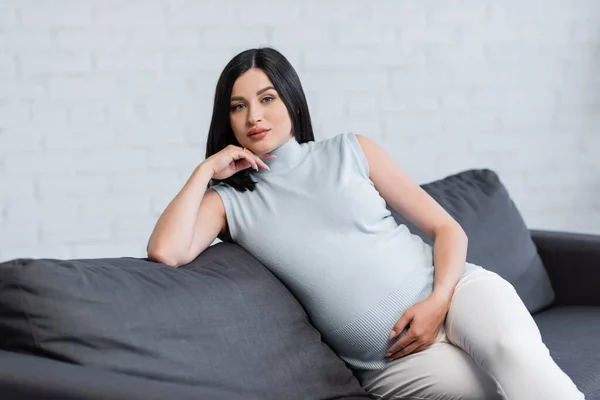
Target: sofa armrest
{"points": [[29, 377], [573, 264]]}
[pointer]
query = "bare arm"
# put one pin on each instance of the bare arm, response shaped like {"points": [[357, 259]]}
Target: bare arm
{"points": [[194, 218], [416, 205], [190, 223]]}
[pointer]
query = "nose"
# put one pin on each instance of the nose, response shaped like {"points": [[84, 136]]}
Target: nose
{"points": [[254, 114]]}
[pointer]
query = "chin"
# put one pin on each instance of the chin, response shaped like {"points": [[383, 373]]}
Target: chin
{"points": [[263, 146]]}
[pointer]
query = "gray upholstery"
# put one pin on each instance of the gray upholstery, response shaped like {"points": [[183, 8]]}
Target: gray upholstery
{"points": [[573, 336], [223, 323], [573, 264], [27, 377], [214, 313], [498, 237]]}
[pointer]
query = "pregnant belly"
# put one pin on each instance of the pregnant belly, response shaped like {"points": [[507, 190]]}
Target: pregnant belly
{"points": [[365, 340]]}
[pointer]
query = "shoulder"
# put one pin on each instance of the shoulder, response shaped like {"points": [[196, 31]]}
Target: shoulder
{"points": [[219, 193], [351, 141], [225, 192], [347, 146], [341, 139], [220, 187]]}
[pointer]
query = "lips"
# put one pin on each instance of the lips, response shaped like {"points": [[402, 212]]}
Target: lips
{"points": [[257, 131]]}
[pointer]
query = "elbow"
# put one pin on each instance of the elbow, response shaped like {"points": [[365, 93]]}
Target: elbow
{"points": [[461, 232], [464, 234], [162, 257], [453, 228]]}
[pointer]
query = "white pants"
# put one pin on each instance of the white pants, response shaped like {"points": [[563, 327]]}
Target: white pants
{"points": [[488, 348]]}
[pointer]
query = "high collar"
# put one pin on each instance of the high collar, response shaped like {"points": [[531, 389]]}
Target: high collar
{"points": [[289, 155]]}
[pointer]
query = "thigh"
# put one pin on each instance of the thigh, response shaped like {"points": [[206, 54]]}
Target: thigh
{"points": [[485, 311], [441, 371]]}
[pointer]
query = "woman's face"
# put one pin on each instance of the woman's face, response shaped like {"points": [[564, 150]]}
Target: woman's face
{"points": [[255, 107]]}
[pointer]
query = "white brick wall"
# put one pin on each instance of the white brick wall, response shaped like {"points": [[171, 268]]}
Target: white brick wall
{"points": [[105, 104]]}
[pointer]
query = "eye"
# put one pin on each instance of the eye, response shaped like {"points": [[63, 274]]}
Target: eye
{"points": [[270, 98], [237, 107]]}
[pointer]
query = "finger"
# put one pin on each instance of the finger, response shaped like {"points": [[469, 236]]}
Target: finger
{"points": [[246, 154], [266, 156], [258, 160], [404, 320], [403, 342], [260, 157], [254, 159], [262, 163], [242, 164], [410, 349], [422, 347]]}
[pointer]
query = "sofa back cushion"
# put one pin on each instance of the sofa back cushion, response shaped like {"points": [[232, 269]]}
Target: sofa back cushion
{"points": [[499, 240], [223, 323]]}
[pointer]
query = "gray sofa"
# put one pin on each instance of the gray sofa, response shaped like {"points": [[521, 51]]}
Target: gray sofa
{"points": [[224, 327], [571, 326]]}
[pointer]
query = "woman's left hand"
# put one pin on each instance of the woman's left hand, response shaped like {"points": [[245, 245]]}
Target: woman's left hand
{"points": [[424, 321]]}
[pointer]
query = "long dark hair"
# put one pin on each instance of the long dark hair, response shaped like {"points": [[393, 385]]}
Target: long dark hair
{"points": [[286, 83]]}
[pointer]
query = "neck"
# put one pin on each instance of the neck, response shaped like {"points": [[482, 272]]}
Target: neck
{"points": [[289, 154]]}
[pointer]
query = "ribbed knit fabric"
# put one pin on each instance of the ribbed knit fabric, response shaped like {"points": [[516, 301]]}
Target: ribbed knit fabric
{"points": [[318, 223]]}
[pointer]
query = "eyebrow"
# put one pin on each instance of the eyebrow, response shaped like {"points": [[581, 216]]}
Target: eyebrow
{"points": [[257, 93]]}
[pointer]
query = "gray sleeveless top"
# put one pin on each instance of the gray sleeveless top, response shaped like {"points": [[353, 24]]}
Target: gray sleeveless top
{"points": [[318, 223]]}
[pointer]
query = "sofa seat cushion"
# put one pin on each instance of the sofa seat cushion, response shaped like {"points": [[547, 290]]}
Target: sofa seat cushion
{"points": [[499, 240], [222, 323], [573, 336]]}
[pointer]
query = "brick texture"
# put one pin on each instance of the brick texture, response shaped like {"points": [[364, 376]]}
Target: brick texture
{"points": [[105, 104]]}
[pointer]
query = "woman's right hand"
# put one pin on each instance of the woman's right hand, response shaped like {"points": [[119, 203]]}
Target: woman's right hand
{"points": [[233, 159]]}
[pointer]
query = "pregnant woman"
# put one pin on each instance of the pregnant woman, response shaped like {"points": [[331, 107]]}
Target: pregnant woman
{"points": [[413, 321]]}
